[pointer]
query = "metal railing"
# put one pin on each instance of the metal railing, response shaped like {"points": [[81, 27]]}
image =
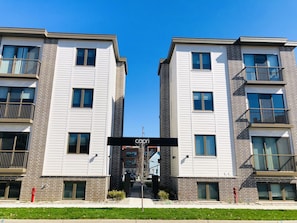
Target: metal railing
{"points": [[16, 66], [261, 73], [274, 162], [268, 115], [13, 158], [16, 110]]}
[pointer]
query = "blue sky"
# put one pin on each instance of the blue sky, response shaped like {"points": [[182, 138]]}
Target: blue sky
{"points": [[144, 30]]}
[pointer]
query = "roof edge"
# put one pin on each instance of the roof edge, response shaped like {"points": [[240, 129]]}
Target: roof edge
{"points": [[43, 33], [243, 40]]}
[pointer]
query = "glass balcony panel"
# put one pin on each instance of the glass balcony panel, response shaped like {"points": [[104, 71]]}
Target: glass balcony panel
{"points": [[268, 115], [274, 162], [19, 66], [261, 73], [13, 159], [12, 110]]}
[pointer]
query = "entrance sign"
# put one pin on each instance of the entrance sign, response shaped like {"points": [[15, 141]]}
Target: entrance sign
{"points": [[129, 141], [142, 141]]}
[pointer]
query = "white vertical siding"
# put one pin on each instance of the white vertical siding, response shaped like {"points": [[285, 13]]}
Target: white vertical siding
{"points": [[65, 119], [192, 122]]}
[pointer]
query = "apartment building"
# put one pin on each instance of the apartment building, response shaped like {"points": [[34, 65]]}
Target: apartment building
{"points": [[61, 95], [232, 105]]}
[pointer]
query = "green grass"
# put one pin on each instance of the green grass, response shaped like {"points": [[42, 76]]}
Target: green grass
{"points": [[149, 213]]}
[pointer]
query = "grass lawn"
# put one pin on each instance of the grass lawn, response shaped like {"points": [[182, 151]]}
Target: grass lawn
{"points": [[149, 213]]}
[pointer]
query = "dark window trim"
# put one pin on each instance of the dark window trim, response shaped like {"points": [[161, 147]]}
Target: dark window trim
{"points": [[203, 101], [201, 61], [15, 140], [74, 189], [82, 98], [78, 142], [283, 191], [7, 190], [207, 192], [205, 146], [86, 52]]}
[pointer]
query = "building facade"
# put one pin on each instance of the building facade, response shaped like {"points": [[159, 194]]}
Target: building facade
{"points": [[62, 95], [232, 105]]}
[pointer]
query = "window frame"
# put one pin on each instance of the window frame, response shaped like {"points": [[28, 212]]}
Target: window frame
{"points": [[205, 149], [203, 101], [74, 190], [15, 137], [207, 191], [82, 103], [270, 193], [78, 149], [201, 64], [85, 57], [7, 187]]}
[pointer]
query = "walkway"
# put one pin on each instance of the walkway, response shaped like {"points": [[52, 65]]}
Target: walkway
{"points": [[134, 201]]}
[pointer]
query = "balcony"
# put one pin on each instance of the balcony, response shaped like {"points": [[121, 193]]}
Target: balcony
{"points": [[13, 161], [16, 112], [268, 117], [19, 68], [263, 75], [274, 164]]}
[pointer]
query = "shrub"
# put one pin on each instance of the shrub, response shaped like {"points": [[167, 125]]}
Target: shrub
{"points": [[163, 195], [116, 195]]}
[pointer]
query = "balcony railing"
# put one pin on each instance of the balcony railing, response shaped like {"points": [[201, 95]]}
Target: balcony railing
{"points": [[16, 110], [19, 67], [261, 73], [274, 162], [268, 115], [13, 159]]}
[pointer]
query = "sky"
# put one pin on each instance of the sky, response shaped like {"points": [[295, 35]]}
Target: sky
{"points": [[144, 30]]}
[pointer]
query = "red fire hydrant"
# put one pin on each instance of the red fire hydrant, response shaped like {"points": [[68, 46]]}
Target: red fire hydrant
{"points": [[33, 194], [235, 194]]}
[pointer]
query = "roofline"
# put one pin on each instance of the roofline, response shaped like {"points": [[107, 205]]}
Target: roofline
{"points": [[43, 33], [243, 40]]}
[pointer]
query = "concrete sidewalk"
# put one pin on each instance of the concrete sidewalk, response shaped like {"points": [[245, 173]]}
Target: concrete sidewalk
{"points": [[134, 201]]}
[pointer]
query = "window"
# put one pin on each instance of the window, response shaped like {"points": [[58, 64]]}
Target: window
{"points": [[13, 149], [262, 67], [16, 102], [131, 154], [14, 140], [130, 163], [267, 108], [208, 191], [203, 101], [205, 145], [79, 143], [10, 189], [86, 57], [74, 190], [201, 61], [275, 191], [20, 60], [272, 153], [82, 98]]}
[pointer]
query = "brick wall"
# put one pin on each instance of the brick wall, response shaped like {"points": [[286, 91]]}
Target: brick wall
{"points": [[41, 116], [116, 163], [165, 167], [245, 183]]}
